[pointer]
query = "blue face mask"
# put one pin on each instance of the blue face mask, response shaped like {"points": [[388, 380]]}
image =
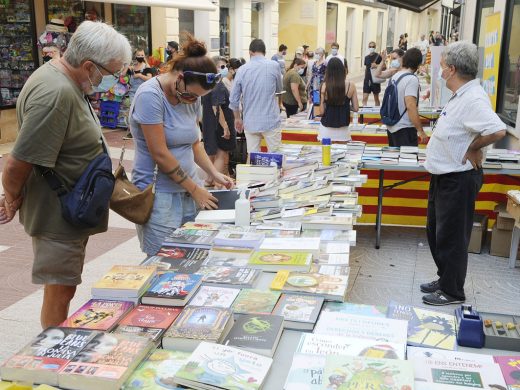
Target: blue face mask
{"points": [[395, 64], [224, 72], [107, 82], [334, 51]]}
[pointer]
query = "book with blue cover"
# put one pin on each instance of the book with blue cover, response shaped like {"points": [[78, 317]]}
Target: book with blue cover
{"points": [[172, 289], [260, 158]]}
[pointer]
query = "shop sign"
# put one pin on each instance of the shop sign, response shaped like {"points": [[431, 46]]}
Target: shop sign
{"points": [[492, 42]]}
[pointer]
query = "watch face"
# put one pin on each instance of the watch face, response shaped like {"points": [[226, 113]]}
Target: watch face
{"points": [[302, 281]]}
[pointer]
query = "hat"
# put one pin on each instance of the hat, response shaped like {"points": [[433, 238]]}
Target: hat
{"points": [[56, 25], [299, 50]]}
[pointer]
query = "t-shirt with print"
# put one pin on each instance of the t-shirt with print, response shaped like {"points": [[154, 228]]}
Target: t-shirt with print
{"points": [[408, 86], [292, 77], [58, 130], [150, 107]]}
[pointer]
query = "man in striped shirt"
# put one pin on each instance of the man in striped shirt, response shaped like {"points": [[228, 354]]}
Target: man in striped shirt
{"points": [[454, 157], [257, 85]]}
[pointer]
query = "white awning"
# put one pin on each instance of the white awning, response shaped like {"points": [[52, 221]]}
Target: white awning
{"points": [[196, 5]]}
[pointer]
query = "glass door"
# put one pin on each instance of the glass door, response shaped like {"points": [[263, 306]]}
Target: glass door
{"points": [[134, 22]]}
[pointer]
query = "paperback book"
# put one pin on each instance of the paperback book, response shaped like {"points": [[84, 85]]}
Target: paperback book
{"points": [[98, 314], [181, 253], [195, 324], [273, 261], [230, 276], [510, 367], [330, 287], [357, 309], [343, 222], [193, 238], [280, 225], [306, 373], [214, 366], [172, 289], [299, 311], [251, 301], [286, 244], [106, 362], [124, 281], [182, 266], [413, 353], [41, 359], [238, 239], [157, 371], [426, 328], [215, 296], [258, 333]]}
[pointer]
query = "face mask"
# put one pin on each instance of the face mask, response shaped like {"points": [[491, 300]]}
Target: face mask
{"points": [[224, 72], [140, 59], [47, 58], [371, 50], [441, 70], [169, 51], [334, 51], [300, 71], [107, 82], [317, 56], [395, 64]]}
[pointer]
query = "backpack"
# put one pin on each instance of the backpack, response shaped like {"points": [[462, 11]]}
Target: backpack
{"points": [[390, 114]]}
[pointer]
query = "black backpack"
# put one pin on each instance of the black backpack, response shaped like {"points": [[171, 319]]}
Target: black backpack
{"points": [[390, 114]]}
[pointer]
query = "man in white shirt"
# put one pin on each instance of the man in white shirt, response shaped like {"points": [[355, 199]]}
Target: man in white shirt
{"points": [[422, 45], [454, 158], [334, 52]]}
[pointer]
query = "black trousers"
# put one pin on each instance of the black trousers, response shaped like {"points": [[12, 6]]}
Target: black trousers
{"points": [[451, 204], [292, 110], [403, 137]]}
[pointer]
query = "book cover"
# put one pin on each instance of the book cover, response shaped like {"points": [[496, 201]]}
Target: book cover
{"points": [[348, 325], [129, 278], [510, 367], [281, 258], [261, 158], [149, 316], [299, 308], [182, 266], [355, 372], [319, 344], [157, 370], [441, 374], [215, 296], [226, 261], [199, 322], [286, 244], [257, 332], [252, 301], [202, 226], [426, 328], [153, 334], [413, 353], [306, 373], [238, 239], [332, 287], [180, 253], [224, 367], [190, 237], [280, 225], [98, 314], [172, 285], [236, 276], [357, 309]]}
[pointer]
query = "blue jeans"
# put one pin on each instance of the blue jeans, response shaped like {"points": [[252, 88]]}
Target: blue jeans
{"points": [[170, 211]]}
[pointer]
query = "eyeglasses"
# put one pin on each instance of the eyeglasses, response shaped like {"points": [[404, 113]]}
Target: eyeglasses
{"points": [[186, 96], [211, 78], [223, 66], [116, 74]]}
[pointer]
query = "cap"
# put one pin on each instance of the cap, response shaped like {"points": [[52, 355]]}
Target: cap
{"points": [[326, 141], [299, 50]]}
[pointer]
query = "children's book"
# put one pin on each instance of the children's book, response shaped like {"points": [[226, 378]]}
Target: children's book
{"points": [[306, 372], [172, 289], [252, 301], [215, 296], [510, 366], [331, 287], [98, 314], [124, 281]]}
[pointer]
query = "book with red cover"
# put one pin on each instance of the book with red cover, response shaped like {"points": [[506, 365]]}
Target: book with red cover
{"points": [[98, 314], [148, 321]]}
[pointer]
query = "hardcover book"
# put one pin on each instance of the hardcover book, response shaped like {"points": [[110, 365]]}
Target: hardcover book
{"points": [[299, 311], [510, 367], [215, 296], [148, 321], [426, 328], [98, 314], [124, 281], [357, 309], [258, 333], [355, 372], [105, 362], [273, 261], [196, 323], [157, 371], [194, 238], [230, 276], [41, 359], [172, 289], [331, 287], [214, 366], [252, 301]]}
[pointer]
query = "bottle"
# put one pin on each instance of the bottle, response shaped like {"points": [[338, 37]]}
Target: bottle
{"points": [[242, 210], [325, 151], [355, 120]]}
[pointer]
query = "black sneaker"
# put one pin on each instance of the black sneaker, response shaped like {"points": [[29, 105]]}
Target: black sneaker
{"points": [[439, 298], [431, 287]]}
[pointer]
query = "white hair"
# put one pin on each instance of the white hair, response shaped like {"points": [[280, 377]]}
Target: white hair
{"points": [[319, 50], [463, 56], [97, 42]]}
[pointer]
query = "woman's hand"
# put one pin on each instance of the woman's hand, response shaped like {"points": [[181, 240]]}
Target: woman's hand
{"points": [[222, 180], [227, 133], [204, 199]]}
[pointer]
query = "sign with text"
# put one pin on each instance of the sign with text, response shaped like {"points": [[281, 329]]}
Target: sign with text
{"points": [[492, 42]]}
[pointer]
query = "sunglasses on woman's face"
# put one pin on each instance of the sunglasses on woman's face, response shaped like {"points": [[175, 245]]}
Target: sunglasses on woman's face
{"points": [[211, 78], [223, 66], [186, 96]]}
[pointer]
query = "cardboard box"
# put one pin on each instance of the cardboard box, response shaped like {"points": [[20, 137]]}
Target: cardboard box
{"points": [[505, 221], [501, 243], [513, 209], [478, 233]]}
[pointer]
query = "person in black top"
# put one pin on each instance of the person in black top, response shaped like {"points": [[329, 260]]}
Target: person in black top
{"points": [[371, 61]]}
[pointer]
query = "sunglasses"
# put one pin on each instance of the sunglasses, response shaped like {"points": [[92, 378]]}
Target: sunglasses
{"points": [[186, 96], [211, 78], [116, 74]]}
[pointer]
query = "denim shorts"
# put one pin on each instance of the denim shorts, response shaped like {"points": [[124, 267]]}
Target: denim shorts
{"points": [[170, 211]]}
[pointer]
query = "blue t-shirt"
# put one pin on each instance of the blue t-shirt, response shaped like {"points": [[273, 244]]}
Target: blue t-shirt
{"points": [[181, 130]]}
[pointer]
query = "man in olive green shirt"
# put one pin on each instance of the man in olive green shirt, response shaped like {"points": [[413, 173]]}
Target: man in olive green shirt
{"points": [[59, 130]]}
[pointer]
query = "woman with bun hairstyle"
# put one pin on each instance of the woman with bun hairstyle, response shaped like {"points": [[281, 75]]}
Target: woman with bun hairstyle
{"points": [[163, 122]]}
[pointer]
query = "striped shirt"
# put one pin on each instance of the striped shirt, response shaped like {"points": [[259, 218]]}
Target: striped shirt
{"points": [[256, 84], [467, 115]]}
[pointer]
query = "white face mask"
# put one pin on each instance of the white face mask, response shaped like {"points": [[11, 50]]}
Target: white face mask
{"points": [[395, 64], [371, 50], [317, 56], [300, 71], [441, 70], [334, 51]]}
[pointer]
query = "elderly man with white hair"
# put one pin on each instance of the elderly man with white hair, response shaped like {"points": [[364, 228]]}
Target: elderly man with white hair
{"points": [[59, 130], [467, 124]]}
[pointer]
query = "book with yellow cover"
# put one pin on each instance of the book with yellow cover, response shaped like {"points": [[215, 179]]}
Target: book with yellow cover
{"points": [[275, 260], [332, 287], [124, 281]]}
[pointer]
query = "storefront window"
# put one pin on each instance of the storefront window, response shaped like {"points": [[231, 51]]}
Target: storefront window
{"points": [[187, 21], [73, 12], [509, 89], [17, 49], [484, 8], [134, 22], [331, 31], [224, 31]]}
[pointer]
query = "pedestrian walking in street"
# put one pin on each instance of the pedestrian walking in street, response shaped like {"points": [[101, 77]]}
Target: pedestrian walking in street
{"points": [[163, 121], [372, 59], [60, 135], [454, 157]]}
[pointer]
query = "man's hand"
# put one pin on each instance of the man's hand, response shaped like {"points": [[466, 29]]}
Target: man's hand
{"points": [[8, 209], [239, 126], [423, 138], [475, 157]]}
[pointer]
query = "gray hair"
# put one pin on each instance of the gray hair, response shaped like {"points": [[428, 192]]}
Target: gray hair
{"points": [[319, 50], [97, 42], [463, 55]]}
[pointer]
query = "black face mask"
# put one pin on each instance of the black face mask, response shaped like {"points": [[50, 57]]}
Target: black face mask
{"points": [[140, 59], [46, 59]]}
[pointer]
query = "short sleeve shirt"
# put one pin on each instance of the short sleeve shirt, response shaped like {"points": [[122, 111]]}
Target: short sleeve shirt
{"points": [[58, 130], [408, 86], [150, 107], [292, 77]]}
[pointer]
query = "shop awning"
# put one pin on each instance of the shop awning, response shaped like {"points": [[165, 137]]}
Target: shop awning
{"points": [[196, 5], [456, 11], [411, 5]]}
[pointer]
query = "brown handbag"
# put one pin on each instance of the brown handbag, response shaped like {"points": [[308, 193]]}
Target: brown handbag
{"points": [[129, 201]]}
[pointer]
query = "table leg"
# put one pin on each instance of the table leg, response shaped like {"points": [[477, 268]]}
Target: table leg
{"points": [[514, 246], [379, 207]]}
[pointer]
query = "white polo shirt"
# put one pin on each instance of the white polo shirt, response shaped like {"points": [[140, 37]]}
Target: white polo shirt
{"points": [[466, 115]]}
